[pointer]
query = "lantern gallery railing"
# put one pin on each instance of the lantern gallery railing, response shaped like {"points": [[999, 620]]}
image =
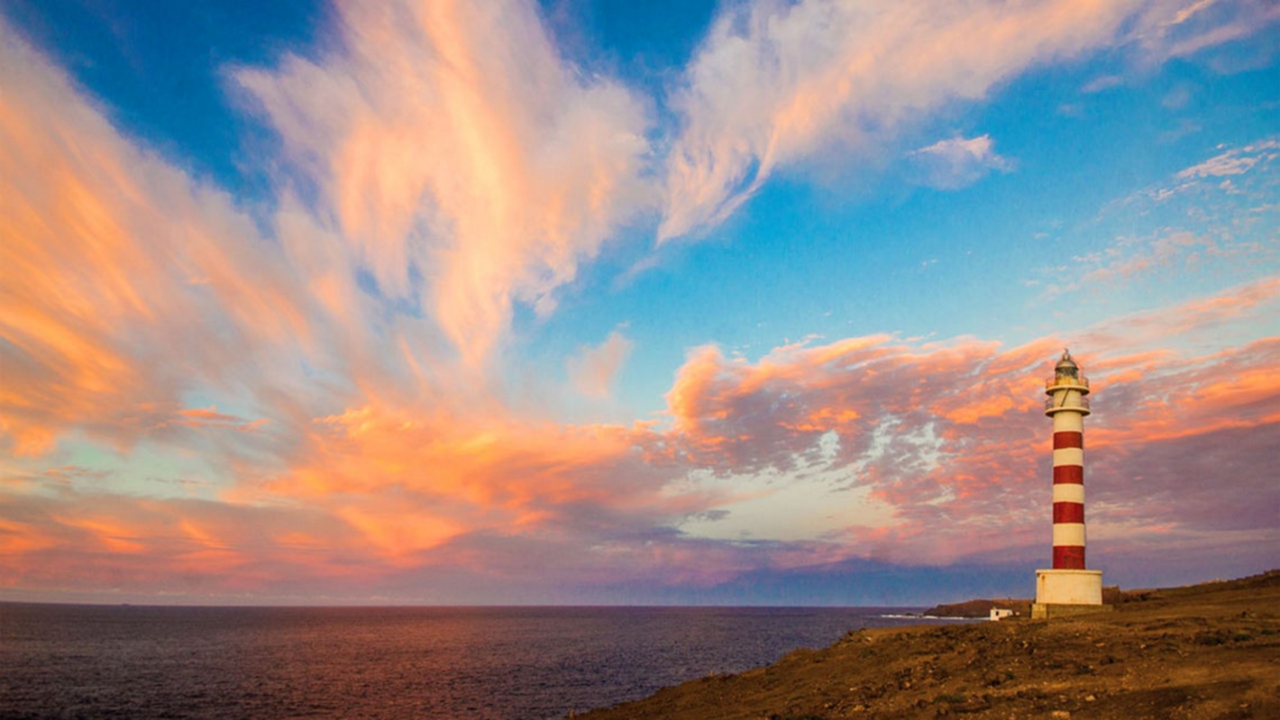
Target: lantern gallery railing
{"points": [[1081, 402]]}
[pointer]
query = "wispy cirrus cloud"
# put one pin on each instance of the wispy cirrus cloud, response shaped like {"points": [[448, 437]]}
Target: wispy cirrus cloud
{"points": [[777, 84], [122, 278], [1178, 28], [468, 165], [1236, 161], [956, 162], [1214, 214], [1101, 83]]}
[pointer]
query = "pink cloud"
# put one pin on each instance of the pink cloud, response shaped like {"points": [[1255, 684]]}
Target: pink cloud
{"points": [[451, 140], [594, 369], [950, 435], [120, 544]]}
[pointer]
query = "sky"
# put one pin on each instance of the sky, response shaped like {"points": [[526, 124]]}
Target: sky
{"points": [[600, 302]]}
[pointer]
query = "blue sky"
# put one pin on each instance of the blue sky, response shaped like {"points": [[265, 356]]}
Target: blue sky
{"points": [[621, 302]]}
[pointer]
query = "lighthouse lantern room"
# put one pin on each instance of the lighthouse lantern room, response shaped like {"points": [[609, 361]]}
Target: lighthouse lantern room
{"points": [[1068, 587]]}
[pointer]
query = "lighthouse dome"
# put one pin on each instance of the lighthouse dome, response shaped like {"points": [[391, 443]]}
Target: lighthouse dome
{"points": [[1066, 363]]}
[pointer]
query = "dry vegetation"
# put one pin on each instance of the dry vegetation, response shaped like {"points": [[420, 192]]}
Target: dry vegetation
{"points": [[1209, 651]]}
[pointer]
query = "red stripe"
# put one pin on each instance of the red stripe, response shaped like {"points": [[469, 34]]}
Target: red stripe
{"points": [[1068, 439], [1068, 474], [1068, 512], [1068, 557]]}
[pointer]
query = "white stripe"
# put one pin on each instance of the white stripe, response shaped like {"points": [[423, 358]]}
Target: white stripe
{"points": [[1068, 492], [1068, 534], [1067, 421], [1068, 456]]}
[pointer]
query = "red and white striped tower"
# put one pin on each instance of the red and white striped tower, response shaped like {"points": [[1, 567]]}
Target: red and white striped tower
{"points": [[1068, 587], [1068, 405]]}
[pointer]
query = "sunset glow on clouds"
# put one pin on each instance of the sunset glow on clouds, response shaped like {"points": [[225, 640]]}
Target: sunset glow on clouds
{"points": [[477, 317]]}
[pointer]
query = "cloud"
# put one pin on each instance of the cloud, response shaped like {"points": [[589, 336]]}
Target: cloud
{"points": [[957, 162], [355, 449], [377, 497], [777, 83], [312, 365], [1236, 161], [107, 544], [125, 282], [945, 434], [1100, 83], [1179, 29], [131, 288], [1129, 258], [384, 499], [903, 452], [468, 165], [1214, 215], [594, 369], [1178, 98]]}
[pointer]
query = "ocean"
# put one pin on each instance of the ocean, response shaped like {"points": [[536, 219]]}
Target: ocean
{"points": [[80, 661]]}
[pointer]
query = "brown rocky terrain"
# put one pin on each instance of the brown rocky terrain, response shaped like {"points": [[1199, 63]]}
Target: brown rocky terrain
{"points": [[1208, 651]]}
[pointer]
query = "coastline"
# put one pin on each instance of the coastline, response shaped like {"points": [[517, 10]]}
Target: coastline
{"points": [[1202, 651]]}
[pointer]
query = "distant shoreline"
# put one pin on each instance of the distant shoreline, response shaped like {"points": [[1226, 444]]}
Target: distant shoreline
{"points": [[977, 608]]}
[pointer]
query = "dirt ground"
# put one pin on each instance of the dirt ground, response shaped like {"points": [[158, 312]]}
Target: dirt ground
{"points": [[1207, 652]]}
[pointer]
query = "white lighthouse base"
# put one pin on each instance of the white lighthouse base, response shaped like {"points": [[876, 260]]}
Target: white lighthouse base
{"points": [[1067, 592]]}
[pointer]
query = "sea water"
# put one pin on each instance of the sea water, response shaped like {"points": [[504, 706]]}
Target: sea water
{"points": [[76, 661]]}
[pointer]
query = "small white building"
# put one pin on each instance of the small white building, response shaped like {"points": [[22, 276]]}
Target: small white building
{"points": [[998, 613]]}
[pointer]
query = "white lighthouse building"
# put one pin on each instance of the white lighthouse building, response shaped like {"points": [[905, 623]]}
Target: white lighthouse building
{"points": [[1068, 587]]}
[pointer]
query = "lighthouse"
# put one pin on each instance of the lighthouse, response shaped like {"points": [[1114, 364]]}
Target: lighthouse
{"points": [[1068, 587]]}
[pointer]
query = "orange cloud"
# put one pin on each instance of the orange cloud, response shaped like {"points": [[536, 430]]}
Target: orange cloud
{"points": [[21, 539], [115, 537], [102, 242], [493, 472]]}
